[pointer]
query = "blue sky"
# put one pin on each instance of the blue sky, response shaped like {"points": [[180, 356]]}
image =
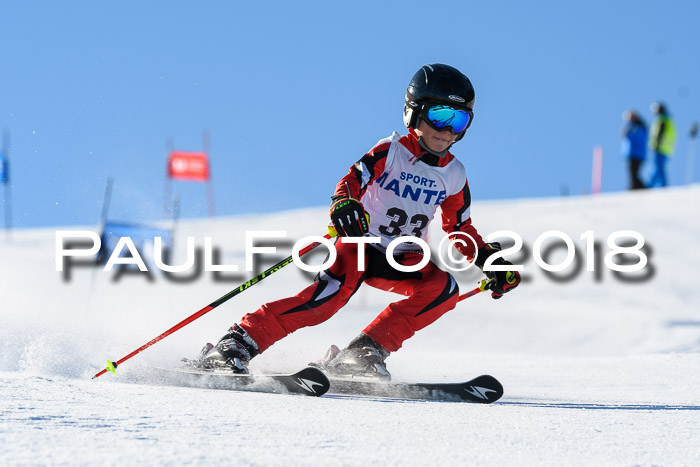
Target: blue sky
{"points": [[293, 93]]}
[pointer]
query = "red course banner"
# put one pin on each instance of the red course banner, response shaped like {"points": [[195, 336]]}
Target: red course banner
{"points": [[192, 166]]}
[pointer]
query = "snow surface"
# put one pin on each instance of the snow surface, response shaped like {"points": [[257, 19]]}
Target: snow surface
{"points": [[596, 371]]}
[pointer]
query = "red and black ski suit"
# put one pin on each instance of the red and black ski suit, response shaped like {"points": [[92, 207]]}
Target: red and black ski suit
{"points": [[401, 186]]}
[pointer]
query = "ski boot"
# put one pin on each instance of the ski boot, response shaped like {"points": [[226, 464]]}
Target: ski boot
{"points": [[233, 352], [362, 358]]}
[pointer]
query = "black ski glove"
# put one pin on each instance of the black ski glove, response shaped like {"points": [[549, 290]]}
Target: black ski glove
{"points": [[501, 281], [349, 218]]}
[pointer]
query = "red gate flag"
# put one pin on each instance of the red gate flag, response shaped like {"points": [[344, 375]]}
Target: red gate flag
{"points": [[192, 166]]}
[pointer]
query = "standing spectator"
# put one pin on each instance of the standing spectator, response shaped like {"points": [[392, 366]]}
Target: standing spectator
{"points": [[634, 146], [662, 140]]}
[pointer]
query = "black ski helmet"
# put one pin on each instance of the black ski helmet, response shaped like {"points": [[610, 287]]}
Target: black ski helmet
{"points": [[437, 83]]}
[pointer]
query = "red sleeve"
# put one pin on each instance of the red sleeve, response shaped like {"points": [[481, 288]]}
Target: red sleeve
{"points": [[363, 173], [456, 218]]}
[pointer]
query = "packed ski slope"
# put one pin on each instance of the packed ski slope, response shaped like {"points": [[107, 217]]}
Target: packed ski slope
{"points": [[596, 370]]}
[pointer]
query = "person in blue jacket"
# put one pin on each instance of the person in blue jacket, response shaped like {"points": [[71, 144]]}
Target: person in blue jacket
{"points": [[634, 146]]}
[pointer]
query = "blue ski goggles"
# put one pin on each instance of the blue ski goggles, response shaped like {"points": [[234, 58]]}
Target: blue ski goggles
{"points": [[442, 117]]}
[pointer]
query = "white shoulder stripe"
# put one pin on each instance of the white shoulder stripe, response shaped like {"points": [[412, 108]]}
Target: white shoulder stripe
{"points": [[365, 174]]}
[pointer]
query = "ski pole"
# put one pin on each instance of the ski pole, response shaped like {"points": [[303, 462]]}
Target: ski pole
{"points": [[112, 366], [482, 287]]}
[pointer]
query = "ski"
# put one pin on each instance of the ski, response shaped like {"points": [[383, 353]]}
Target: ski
{"points": [[309, 381], [483, 389]]}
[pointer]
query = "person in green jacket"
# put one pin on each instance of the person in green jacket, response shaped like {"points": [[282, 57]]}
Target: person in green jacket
{"points": [[662, 140]]}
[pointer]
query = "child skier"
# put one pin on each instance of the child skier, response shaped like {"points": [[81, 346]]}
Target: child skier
{"points": [[399, 183]]}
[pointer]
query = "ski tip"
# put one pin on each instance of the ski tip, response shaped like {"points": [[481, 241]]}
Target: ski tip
{"points": [[312, 381], [485, 388]]}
